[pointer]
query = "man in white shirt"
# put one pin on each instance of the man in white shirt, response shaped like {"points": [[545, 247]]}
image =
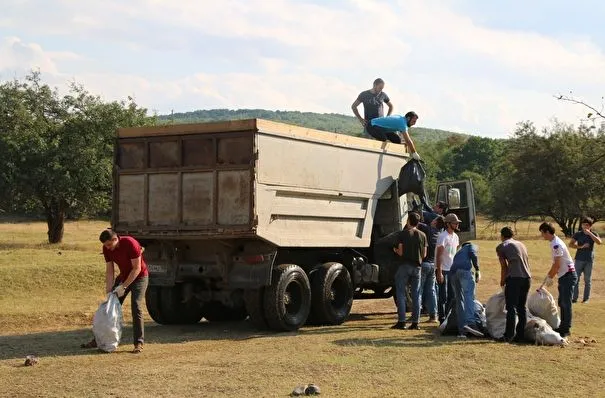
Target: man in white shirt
{"points": [[446, 247], [562, 267]]}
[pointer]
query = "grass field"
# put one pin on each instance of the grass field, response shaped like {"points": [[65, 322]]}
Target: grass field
{"points": [[48, 295]]}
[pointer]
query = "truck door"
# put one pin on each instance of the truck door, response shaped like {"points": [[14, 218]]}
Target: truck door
{"points": [[460, 199]]}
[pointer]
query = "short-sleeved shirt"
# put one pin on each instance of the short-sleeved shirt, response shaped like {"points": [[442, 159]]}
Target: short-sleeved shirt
{"points": [[465, 258], [515, 254], [559, 249], [414, 242], [127, 249], [450, 244], [582, 239], [431, 236], [372, 104]]}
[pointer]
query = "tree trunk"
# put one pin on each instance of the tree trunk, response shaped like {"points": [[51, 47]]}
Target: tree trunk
{"points": [[55, 219]]}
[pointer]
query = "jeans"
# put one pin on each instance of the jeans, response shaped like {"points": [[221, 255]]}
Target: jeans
{"points": [[566, 288], [408, 274], [583, 267], [428, 295], [515, 293], [445, 296], [464, 292], [138, 289], [382, 134]]}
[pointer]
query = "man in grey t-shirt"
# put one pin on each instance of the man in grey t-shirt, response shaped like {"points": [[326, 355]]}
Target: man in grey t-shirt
{"points": [[373, 100], [515, 277]]}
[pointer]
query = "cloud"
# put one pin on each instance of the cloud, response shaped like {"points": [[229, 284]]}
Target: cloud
{"points": [[280, 54]]}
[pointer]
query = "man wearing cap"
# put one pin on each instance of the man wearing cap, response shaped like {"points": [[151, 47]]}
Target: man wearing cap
{"points": [[447, 245]]}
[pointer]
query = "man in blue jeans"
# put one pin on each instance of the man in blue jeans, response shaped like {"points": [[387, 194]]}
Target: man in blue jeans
{"points": [[584, 242], [463, 283], [428, 292], [447, 244], [562, 267], [411, 248]]}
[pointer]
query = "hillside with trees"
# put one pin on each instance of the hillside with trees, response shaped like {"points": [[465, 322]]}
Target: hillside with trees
{"points": [[332, 122]]}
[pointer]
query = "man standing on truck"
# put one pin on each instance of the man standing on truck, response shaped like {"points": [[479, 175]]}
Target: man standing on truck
{"points": [[562, 267], [411, 247], [447, 244], [127, 253], [372, 101]]}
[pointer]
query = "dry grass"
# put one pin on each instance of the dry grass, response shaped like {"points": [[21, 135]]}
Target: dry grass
{"points": [[47, 300]]}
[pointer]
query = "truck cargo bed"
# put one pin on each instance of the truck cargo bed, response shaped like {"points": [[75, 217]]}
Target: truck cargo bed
{"points": [[287, 185]]}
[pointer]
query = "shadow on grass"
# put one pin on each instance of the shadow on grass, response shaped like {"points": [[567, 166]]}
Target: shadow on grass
{"points": [[410, 339]]}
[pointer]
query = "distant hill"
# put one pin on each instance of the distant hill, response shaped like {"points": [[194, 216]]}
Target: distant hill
{"points": [[321, 121]]}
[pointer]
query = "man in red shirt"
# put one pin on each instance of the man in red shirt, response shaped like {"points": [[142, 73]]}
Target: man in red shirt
{"points": [[127, 254]]}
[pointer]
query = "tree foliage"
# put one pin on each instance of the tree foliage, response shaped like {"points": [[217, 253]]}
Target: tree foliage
{"points": [[56, 150]]}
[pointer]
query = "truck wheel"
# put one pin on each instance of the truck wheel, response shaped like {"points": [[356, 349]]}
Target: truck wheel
{"points": [[152, 302], [287, 301], [331, 294], [215, 311], [165, 306], [254, 299]]}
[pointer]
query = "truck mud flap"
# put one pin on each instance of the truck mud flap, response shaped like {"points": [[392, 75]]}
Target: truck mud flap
{"points": [[251, 272]]}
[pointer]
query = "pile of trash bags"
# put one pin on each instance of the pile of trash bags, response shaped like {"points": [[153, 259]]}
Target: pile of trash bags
{"points": [[542, 318]]}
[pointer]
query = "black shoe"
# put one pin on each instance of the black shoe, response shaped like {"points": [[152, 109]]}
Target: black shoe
{"points": [[414, 326], [399, 325], [574, 301]]}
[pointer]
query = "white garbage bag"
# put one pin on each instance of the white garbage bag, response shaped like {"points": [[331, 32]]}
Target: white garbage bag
{"points": [[540, 332], [495, 311], [107, 324], [543, 305]]}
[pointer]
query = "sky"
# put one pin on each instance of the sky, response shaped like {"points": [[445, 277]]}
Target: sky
{"points": [[463, 65]]}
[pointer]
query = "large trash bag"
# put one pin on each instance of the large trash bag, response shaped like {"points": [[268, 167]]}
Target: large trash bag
{"points": [[392, 123], [450, 325], [540, 332], [411, 180], [543, 305], [107, 324], [495, 311]]}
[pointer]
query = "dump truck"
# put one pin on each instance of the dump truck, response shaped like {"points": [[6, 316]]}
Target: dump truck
{"points": [[259, 219]]}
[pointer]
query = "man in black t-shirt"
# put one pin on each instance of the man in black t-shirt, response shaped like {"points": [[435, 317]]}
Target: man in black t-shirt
{"points": [[373, 107], [411, 249]]}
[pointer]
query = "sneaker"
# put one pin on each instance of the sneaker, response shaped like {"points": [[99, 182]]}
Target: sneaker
{"points": [[91, 344], [585, 301], [472, 331], [399, 325], [574, 301], [414, 326], [138, 348], [462, 336], [433, 319]]}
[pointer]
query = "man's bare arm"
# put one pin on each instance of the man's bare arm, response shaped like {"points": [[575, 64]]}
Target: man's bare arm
{"points": [[136, 269], [391, 108], [109, 276], [356, 112]]}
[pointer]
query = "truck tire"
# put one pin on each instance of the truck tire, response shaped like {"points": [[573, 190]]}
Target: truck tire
{"points": [[254, 299], [166, 308], [287, 301], [152, 302], [215, 311], [331, 294]]}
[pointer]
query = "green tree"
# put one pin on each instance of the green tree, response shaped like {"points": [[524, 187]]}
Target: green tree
{"points": [[556, 173], [57, 150]]}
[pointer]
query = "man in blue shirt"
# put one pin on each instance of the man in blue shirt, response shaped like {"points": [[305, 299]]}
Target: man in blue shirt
{"points": [[584, 241], [464, 287]]}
